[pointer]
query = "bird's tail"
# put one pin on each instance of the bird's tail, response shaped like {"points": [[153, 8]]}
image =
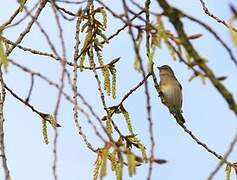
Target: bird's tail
{"points": [[179, 117]]}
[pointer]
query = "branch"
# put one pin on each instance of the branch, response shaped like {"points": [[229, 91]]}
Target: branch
{"points": [[220, 164], [2, 143], [205, 9], [27, 29], [40, 53], [12, 17], [218, 38], [42, 115]]}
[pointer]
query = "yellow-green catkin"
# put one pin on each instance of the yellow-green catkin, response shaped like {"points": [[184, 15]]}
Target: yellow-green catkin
{"points": [[112, 159], [97, 167], [114, 83], [104, 15], [141, 147], [232, 32], [162, 35], [109, 126], [103, 36], [127, 119], [44, 131], [119, 166], [104, 162], [100, 58], [107, 86], [3, 57], [81, 62], [131, 162], [227, 171], [105, 73], [171, 50], [150, 59]]}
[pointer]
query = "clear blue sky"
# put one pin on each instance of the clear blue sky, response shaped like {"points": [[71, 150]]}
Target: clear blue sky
{"points": [[206, 112]]}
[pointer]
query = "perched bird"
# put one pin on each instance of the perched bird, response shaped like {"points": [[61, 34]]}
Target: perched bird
{"points": [[171, 91]]}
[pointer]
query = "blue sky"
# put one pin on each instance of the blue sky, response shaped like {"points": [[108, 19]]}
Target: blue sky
{"points": [[206, 112]]}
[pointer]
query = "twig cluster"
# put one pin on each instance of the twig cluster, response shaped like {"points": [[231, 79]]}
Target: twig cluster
{"points": [[90, 39]]}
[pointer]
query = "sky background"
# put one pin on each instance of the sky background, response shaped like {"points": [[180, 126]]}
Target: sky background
{"points": [[206, 112]]}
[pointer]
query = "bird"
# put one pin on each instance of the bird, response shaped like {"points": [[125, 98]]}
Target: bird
{"points": [[171, 90]]}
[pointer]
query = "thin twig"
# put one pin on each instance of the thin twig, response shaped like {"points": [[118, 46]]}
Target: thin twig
{"points": [[28, 27], [42, 115], [40, 53], [226, 155], [12, 17], [45, 34], [23, 18], [63, 73], [31, 88], [2, 143], [61, 9], [122, 28], [71, 2], [127, 22], [131, 91], [147, 21], [206, 10], [218, 38]]}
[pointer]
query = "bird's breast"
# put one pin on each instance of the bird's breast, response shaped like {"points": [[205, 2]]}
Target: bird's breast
{"points": [[167, 89]]}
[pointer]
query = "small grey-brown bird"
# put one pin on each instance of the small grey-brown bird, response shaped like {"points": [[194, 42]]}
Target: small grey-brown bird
{"points": [[171, 91]]}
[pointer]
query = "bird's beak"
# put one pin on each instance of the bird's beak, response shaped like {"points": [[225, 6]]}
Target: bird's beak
{"points": [[159, 68]]}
